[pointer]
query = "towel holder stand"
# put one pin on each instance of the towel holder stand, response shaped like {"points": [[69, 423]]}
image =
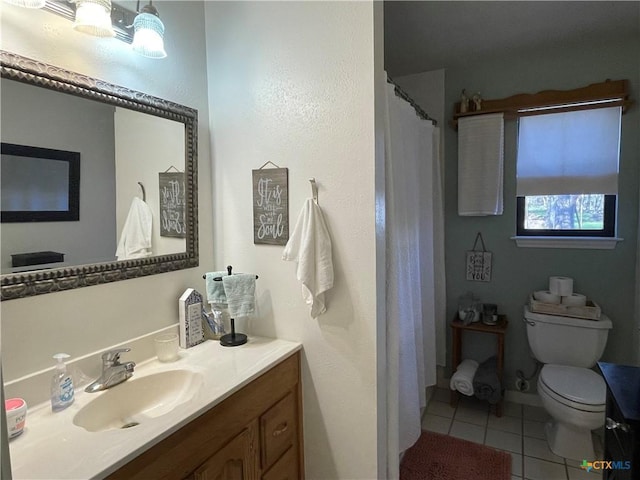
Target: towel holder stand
{"points": [[232, 339]]}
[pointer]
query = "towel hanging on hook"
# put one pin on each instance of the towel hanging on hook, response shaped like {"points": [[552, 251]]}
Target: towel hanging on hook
{"points": [[314, 189], [144, 193], [175, 168]]}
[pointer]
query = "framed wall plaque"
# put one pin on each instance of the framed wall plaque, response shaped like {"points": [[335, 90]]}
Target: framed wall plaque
{"points": [[172, 204], [478, 266], [271, 206]]}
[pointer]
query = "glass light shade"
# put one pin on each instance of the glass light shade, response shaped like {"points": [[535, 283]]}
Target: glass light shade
{"points": [[148, 37], [27, 3], [94, 17]]}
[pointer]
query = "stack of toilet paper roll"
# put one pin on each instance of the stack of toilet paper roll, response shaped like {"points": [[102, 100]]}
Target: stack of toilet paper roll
{"points": [[561, 292]]}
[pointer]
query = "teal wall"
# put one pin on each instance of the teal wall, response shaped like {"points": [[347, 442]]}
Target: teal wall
{"points": [[606, 276]]}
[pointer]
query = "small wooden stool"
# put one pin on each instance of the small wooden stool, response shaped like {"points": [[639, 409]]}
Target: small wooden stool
{"points": [[499, 329]]}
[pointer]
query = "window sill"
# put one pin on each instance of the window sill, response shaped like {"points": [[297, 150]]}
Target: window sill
{"points": [[594, 243]]}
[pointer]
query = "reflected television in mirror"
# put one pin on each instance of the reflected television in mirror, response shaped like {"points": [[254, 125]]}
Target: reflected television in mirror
{"points": [[39, 184]]}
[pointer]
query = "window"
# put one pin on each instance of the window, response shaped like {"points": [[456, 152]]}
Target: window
{"points": [[567, 173]]}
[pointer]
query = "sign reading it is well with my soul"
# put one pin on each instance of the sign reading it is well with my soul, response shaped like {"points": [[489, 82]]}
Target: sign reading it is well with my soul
{"points": [[270, 206]]}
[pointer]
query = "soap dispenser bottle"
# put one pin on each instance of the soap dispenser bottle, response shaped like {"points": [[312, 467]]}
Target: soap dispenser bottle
{"points": [[61, 385]]}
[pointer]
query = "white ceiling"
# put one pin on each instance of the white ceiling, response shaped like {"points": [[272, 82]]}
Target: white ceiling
{"points": [[428, 35]]}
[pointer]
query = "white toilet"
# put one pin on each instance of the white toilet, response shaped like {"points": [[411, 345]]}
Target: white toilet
{"points": [[571, 393]]}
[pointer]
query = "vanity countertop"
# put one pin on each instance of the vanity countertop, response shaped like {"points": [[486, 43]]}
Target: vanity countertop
{"points": [[52, 446]]}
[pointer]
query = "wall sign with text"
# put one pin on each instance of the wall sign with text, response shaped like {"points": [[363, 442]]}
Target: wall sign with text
{"points": [[271, 206], [172, 205]]}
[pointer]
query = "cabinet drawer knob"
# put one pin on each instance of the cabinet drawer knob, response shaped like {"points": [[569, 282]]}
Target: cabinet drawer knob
{"points": [[611, 424], [280, 429]]}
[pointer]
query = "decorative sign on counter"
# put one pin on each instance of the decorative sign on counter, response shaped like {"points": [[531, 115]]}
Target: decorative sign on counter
{"points": [[172, 204], [271, 206], [191, 331]]}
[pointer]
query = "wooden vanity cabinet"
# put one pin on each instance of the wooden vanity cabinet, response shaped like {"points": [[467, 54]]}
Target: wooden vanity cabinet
{"points": [[254, 434]]}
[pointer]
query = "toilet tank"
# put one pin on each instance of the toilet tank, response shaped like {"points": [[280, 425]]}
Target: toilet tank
{"points": [[565, 340]]}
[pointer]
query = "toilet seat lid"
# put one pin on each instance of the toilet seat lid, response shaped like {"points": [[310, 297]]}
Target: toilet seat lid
{"points": [[577, 384]]}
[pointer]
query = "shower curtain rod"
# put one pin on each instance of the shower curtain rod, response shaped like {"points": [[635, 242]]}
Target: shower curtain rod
{"points": [[405, 96]]}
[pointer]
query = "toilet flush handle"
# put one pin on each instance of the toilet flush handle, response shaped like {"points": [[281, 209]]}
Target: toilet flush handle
{"points": [[531, 323], [611, 424]]}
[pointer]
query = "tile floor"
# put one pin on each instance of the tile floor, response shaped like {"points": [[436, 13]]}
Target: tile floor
{"points": [[520, 431]]}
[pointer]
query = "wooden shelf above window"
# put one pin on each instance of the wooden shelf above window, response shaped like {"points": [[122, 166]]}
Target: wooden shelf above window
{"points": [[609, 93]]}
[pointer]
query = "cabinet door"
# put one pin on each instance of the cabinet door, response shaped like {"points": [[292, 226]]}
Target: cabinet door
{"points": [[286, 468], [237, 460]]}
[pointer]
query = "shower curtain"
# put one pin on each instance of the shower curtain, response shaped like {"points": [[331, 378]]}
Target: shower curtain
{"points": [[415, 270]]}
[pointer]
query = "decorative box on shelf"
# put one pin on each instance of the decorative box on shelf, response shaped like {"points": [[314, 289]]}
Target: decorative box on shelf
{"points": [[590, 311]]}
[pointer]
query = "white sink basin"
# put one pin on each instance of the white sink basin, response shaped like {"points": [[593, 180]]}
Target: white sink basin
{"points": [[139, 399]]}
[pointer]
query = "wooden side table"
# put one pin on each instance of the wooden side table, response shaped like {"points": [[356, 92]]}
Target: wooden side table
{"points": [[457, 327]]}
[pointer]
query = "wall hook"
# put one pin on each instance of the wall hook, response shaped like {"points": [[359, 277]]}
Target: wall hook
{"points": [[314, 189], [144, 193]]}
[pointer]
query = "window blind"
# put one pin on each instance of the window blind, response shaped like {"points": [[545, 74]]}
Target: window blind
{"points": [[569, 153]]}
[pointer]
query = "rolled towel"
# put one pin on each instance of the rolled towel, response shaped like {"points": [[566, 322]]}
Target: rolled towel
{"points": [[486, 383], [462, 380]]}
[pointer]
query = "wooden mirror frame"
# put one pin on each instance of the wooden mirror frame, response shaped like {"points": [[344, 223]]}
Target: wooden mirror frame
{"points": [[37, 282]]}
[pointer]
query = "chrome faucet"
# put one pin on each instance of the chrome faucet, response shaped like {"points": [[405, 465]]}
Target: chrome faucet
{"points": [[113, 372]]}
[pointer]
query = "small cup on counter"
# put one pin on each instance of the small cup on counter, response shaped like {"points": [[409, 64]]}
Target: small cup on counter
{"points": [[167, 347], [16, 409]]}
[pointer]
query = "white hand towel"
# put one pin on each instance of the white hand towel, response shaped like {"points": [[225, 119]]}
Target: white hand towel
{"points": [[310, 246], [462, 380], [240, 290], [135, 239], [480, 164]]}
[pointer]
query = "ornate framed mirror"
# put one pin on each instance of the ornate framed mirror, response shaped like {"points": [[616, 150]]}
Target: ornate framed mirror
{"points": [[130, 144]]}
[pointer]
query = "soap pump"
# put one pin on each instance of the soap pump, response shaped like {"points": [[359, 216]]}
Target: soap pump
{"points": [[62, 393]]}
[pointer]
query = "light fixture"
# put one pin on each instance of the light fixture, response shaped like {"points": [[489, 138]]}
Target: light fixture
{"points": [[94, 17], [102, 18], [148, 37], [27, 3]]}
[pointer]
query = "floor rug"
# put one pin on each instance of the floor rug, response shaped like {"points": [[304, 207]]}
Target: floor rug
{"points": [[441, 457]]}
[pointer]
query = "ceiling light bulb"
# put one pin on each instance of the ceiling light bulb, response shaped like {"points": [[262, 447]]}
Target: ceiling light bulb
{"points": [[148, 39], [27, 3], [94, 17]]}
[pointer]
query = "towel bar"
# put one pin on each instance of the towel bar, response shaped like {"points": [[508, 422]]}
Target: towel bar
{"points": [[219, 279]]}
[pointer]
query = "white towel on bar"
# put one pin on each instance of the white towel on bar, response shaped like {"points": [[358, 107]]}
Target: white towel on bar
{"points": [[462, 380], [480, 164], [135, 239], [310, 246]]}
